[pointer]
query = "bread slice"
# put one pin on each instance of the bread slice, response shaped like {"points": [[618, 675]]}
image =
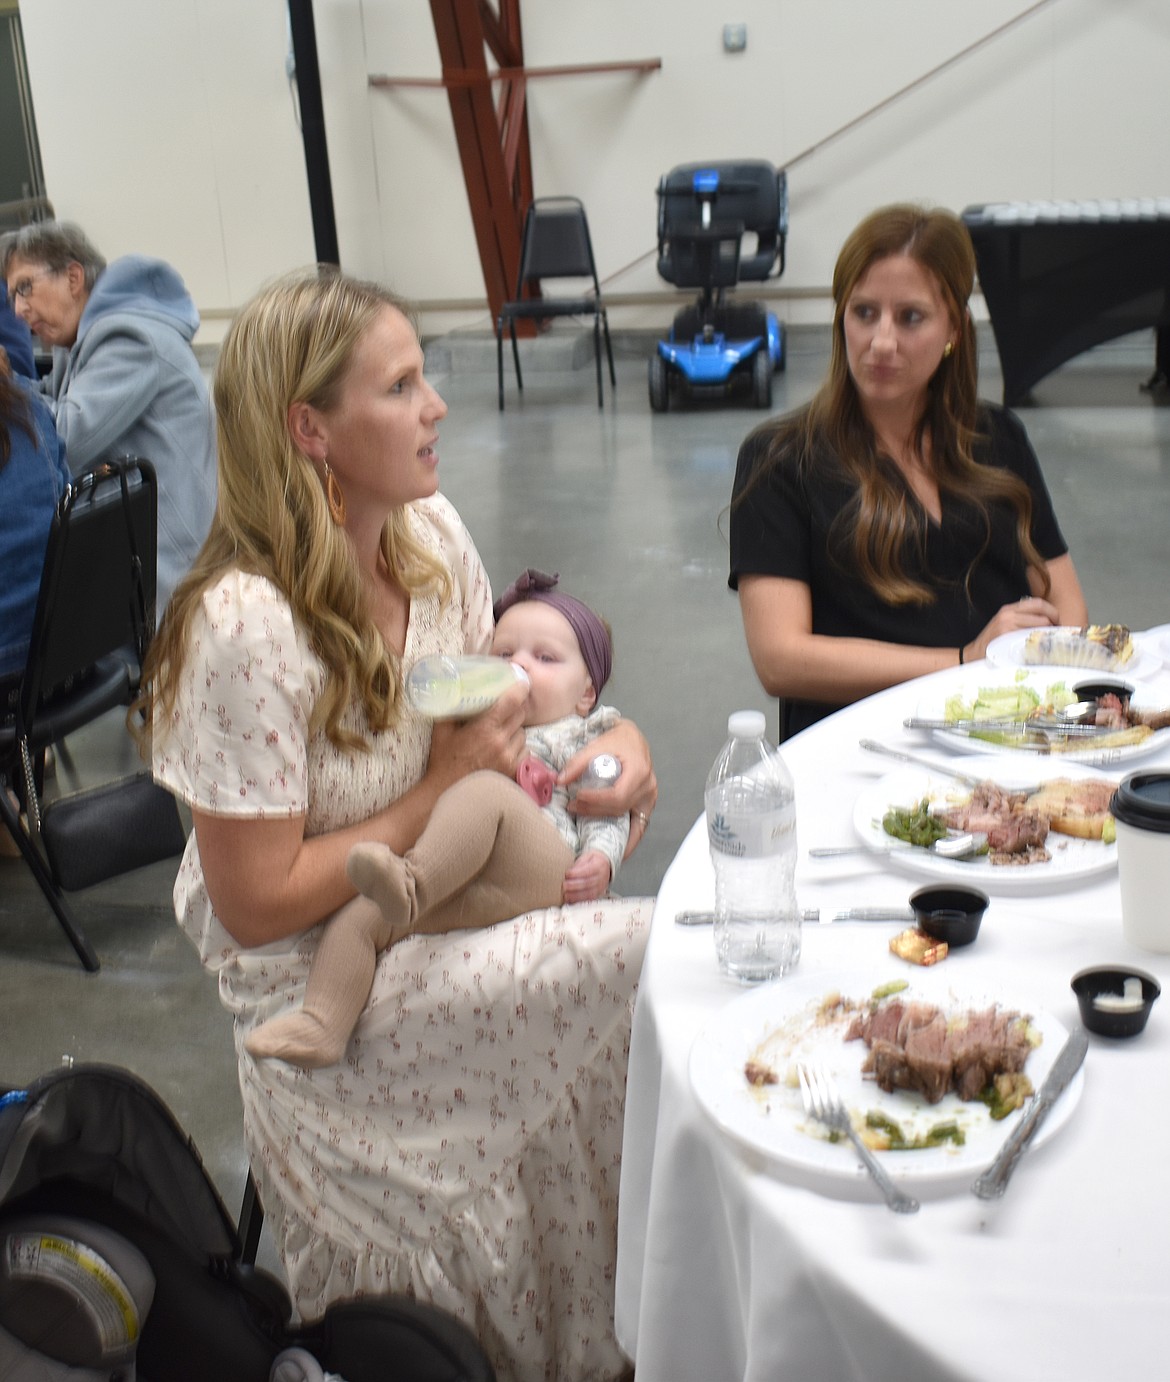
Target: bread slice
{"points": [[1078, 808], [1107, 739], [917, 947]]}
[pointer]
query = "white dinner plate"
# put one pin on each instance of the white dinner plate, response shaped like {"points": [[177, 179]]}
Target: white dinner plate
{"points": [[1161, 643], [1008, 651], [777, 1024], [1040, 679], [1072, 860]]}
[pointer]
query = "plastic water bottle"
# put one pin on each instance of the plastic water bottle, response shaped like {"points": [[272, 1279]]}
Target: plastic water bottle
{"points": [[455, 688], [751, 828]]}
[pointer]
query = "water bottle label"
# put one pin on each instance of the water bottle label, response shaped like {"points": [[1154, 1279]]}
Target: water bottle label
{"points": [[751, 837]]}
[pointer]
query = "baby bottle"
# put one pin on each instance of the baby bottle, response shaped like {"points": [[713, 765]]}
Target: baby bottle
{"points": [[455, 688]]}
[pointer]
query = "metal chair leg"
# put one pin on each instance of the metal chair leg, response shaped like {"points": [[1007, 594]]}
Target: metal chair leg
{"points": [[77, 938], [500, 359], [251, 1223], [516, 354], [608, 346], [597, 355]]}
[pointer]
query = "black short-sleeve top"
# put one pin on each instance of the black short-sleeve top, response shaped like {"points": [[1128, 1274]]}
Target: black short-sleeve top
{"points": [[784, 526]]}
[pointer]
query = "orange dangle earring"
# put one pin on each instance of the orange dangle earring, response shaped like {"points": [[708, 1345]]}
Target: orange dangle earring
{"points": [[334, 497]]}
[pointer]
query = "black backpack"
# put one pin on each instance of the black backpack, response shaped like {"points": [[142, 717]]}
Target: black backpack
{"points": [[100, 1190]]}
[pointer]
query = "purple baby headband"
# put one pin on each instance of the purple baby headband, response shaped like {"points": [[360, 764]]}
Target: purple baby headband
{"points": [[592, 637]]}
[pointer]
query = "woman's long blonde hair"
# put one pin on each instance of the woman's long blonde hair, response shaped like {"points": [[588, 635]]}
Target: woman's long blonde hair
{"points": [[294, 342], [874, 528]]}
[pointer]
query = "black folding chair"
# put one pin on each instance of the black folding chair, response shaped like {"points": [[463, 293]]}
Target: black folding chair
{"points": [[556, 245], [94, 617]]}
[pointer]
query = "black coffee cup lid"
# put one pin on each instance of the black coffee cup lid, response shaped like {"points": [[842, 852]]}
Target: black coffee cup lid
{"points": [[1143, 801]]}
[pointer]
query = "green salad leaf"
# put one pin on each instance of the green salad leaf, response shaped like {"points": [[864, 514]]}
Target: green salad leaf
{"points": [[1016, 702]]}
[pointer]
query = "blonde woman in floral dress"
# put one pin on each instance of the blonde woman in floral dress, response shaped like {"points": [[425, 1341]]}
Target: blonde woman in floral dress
{"points": [[465, 1150]]}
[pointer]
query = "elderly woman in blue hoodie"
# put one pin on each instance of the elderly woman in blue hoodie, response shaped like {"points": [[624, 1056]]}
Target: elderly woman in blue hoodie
{"points": [[125, 380]]}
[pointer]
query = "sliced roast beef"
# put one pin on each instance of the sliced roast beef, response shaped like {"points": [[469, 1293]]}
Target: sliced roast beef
{"points": [[916, 1047], [881, 1022], [986, 1044], [1110, 713], [927, 1056], [1019, 831], [1003, 816]]}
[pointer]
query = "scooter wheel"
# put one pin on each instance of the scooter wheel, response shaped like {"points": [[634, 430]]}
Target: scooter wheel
{"points": [[762, 378], [659, 385]]}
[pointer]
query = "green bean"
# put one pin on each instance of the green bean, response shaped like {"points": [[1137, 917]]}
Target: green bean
{"points": [[916, 826]]}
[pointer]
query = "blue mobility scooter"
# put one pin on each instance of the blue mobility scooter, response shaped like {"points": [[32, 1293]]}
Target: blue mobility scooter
{"points": [[708, 215]]}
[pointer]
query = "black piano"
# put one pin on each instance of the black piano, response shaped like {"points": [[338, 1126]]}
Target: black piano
{"points": [[1060, 277]]}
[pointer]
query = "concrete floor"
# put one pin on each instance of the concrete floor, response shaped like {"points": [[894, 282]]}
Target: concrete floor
{"points": [[630, 508]]}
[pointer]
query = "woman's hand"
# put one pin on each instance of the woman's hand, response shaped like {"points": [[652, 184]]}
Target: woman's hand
{"points": [[1062, 603], [1031, 612], [493, 740], [635, 791]]}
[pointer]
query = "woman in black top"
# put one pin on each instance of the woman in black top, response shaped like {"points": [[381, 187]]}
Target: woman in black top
{"points": [[895, 525]]}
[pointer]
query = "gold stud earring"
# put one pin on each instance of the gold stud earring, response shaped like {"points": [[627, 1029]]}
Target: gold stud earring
{"points": [[948, 350], [334, 497]]}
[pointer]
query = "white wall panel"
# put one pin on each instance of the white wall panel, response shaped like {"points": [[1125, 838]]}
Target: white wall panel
{"points": [[169, 127]]}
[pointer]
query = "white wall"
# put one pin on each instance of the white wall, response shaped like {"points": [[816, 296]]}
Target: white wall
{"points": [[169, 128]]}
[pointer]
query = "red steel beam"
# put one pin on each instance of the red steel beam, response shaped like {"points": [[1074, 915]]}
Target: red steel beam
{"points": [[496, 194], [492, 131]]}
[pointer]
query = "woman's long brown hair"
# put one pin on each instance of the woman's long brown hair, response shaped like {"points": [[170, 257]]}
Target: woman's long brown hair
{"points": [[875, 527]]}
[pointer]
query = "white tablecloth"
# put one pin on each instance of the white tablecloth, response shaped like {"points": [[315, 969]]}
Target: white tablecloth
{"points": [[725, 1270]]}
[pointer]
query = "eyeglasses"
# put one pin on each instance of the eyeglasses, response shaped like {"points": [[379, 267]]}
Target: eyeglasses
{"points": [[25, 286]]}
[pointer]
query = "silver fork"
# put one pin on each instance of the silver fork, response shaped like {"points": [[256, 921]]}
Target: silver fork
{"points": [[822, 1102]]}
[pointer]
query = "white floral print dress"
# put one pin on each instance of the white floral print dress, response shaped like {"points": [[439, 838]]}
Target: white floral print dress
{"points": [[466, 1149]]}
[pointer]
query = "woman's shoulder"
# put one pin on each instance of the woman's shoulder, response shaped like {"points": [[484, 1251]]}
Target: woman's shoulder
{"points": [[244, 620], [438, 518], [1001, 438], [770, 453], [235, 588], [778, 438], [998, 423], [239, 605], [438, 526]]}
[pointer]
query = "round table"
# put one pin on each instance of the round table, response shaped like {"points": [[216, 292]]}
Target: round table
{"points": [[729, 1269]]}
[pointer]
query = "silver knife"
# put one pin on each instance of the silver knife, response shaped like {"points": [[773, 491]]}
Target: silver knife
{"points": [[993, 1182], [848, 914], [966, 779], [872, 746], [976, 727]]}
